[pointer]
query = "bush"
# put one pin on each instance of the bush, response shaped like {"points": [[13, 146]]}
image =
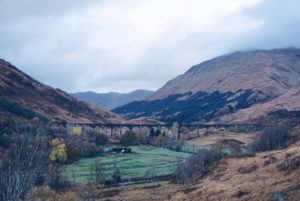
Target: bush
{"points": [[154, 133], [159, 141], [117, 175], [57, 180], [85, 145], [290, 164], [143, 139], [101, 139], [196, 166], [246, 170], [47, 194], [7, 128], [172, 144], [128, 139], [272, 137]]}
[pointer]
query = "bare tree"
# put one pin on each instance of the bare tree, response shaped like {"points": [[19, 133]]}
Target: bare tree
{"points": [[97, 173], [274, 136], [25, 165], [116, 175], [196, 166]]}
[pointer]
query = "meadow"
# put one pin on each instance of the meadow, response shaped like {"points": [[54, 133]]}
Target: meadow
{"points": [[144, 162]]}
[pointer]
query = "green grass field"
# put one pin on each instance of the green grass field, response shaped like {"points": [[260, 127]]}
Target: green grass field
{"points": [[144, 162]]}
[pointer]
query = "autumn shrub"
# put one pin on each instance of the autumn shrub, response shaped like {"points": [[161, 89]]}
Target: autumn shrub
{"points": [[77, 131], [59, 152], [159, 141], [85, 145], [45, 193]]}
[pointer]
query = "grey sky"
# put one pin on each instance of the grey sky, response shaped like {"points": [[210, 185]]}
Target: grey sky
{"points": [[122, 45]]}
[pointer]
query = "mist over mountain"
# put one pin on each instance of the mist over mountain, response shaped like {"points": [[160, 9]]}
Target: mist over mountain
{"points": [[112, 100], [222, 86]]}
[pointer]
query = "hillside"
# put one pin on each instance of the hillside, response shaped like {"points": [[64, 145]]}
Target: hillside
{"points": [[289, 101], [201, 106], [218, 88], [112, 100], [23, 97], [270, 176], [269, 71]]}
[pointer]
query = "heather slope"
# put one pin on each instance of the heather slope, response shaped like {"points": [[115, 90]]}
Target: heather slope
{"points": [[270, 175], [22, 96], [269, 71]]}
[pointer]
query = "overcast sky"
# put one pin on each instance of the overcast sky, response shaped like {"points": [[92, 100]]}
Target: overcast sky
{"points": [[122, 45]]}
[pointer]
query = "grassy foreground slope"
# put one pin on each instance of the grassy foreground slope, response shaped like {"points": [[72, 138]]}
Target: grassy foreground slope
{"points": [[144, 162], [266, 176]]}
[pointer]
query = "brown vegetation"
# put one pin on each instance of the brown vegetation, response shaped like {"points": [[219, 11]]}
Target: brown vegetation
{"points": [[273, 72], [22, 96], [261, 183]]}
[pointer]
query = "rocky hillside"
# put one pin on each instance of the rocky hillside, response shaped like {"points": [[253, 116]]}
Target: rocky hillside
{"points": [[23, 97], [218, 88], [112, 100]]}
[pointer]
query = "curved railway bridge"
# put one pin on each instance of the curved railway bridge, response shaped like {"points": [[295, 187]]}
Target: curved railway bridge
{"points": [[183, 129]]}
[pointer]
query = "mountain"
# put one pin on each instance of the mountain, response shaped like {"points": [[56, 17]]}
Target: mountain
{"points": [[220, 87], [23, 97], [112, 100], [269, 71]]}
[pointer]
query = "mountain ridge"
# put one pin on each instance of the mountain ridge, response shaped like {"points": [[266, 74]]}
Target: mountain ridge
{"points": [[225, 85], [23, 95], [234, 71], [112, 100]]}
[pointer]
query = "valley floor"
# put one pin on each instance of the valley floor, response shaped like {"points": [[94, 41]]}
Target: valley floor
{"points": [[144, 162], [265, 176]]}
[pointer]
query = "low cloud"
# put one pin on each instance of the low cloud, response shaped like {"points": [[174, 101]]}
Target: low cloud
{"points": [[113, 45]]}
